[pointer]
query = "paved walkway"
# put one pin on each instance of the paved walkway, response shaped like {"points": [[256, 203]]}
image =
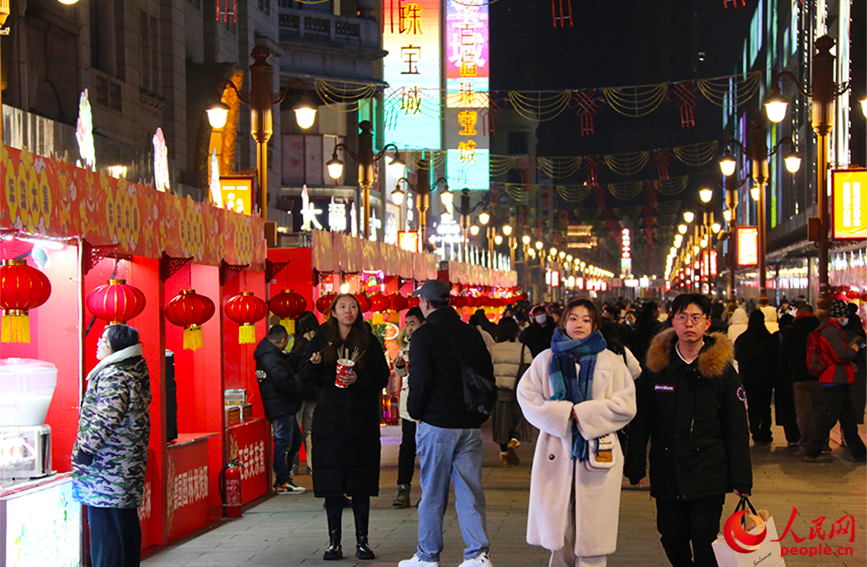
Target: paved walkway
{"points": [[289, 530]]}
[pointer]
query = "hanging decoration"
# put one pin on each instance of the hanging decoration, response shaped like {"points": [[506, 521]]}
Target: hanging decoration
{"points": [[116, 302], [190, 311], [22, 288], [288, 305], [591, 167], [559, 19], [683, 94], [585, 104], [397, 302], [626, 164], [661, 160], [323, 304], [378, 304], [245, 309], [364, 303]]}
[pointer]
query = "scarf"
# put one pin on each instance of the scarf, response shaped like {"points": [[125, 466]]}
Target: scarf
{"points": [[565, 383]]}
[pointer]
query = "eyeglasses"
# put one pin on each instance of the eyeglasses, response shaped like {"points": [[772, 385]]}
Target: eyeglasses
{"points": [[683, 318]]}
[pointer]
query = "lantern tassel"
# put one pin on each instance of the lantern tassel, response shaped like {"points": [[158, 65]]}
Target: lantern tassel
{"points": [[246, 334], [377, 319], [289, 324], [15, 329], [193, 338]]}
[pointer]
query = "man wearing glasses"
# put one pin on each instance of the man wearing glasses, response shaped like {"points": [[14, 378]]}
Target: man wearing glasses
{"points": [[691, 404]]}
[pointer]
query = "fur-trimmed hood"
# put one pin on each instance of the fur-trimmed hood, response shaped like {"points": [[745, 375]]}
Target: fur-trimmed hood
{"points": [[713, 360]]}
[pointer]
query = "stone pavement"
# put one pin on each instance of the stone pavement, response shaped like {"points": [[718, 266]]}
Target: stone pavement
{"points": [[290, 530]]}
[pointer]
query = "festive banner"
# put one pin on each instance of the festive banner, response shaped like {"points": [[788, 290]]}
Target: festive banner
{"points": [[50, 198]]}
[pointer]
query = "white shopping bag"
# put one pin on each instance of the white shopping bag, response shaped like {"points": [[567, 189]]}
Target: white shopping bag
{"points": [[767, 554]]}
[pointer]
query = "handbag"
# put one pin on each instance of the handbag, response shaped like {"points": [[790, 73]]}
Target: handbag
{"points": [[480, 393], [767, 554]]}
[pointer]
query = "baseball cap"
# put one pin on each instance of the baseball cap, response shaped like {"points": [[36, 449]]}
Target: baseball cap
{"points": [[839, 309], [433, 290]]}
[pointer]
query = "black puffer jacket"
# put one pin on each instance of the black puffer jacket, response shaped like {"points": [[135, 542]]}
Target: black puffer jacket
{"points": [[280, 391], [436, 393], [694, 415], [538, 337], [345, 430]]}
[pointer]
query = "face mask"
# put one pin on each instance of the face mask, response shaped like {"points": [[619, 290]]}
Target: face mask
{"points": [[541, 319], [844, 322]]}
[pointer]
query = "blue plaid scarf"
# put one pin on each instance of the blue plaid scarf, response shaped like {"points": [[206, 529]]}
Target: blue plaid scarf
{"points": [[566, 384]]}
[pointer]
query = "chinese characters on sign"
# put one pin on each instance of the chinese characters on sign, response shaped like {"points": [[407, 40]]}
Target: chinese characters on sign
{"points": [[323, 213], [850, 209], [237, 194], [748, 246]]}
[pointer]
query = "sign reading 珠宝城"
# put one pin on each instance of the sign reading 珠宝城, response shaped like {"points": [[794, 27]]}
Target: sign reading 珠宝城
{"points": [[411, 35], [237, 194], [748, 246], [850, 210]]}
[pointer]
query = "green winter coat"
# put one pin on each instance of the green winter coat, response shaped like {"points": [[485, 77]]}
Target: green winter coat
{"points": [[114, 427]]}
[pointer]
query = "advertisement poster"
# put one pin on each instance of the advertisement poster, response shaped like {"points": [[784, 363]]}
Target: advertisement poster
{"points": [[247, 443], [187, 490], [850, 210], [748, 246]]}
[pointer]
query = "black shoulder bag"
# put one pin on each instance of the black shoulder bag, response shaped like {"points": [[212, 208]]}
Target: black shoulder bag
{"points": [[480, 394]]}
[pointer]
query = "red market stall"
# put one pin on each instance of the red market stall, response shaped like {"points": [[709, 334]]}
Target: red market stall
{"points": [[81, 230]]}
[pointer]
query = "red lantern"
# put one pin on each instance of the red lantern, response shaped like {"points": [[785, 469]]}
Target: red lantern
{"points": [[411, 302], [116, 302], [458, 301], [364, 303], [21, 288], [379, 303], [246, 309], [323, 304], [190, 311], [288, 305], [397, 302]]}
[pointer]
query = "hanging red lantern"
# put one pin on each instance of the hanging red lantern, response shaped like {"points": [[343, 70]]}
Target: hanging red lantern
{"points": [[288, 305], [364, 303], [190, 311], [245, 309], [458, 301], [21, 288], [323, 304], [411, 302], [116, 302], [397, 302], [379, 303]]}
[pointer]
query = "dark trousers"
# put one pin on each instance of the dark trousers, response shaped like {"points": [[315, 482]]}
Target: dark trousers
{"points": [[406, 456], [836, 405], [681, 522], [360, 511], [759, 410], [115, 537], [287, 441]]}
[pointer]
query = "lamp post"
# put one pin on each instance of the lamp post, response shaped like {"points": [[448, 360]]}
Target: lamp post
{"points": [[757, 151], [823, 91], [466, 211], [365, 158], [423, 189], [260, 100]]}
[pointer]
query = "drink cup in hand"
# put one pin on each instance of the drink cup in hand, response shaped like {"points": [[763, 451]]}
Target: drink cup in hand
{"points": [[343, 367]]}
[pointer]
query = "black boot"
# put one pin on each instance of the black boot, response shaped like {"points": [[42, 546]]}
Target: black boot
{"points": [[334, 550], [362, 520]]}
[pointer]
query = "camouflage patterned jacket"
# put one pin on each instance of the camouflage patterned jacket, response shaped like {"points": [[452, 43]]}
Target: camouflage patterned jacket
{"points": [[114, 427]]}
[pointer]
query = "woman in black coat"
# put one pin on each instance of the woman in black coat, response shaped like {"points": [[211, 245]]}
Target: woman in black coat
{"points": [[306, 326], [756, 352], [346, 446]]}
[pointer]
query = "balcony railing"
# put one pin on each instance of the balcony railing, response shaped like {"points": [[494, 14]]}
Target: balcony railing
{"points": [[300, 24]]}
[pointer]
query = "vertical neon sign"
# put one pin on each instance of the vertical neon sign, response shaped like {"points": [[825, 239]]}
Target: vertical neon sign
{"points": [[467, 85], [411, 35]]}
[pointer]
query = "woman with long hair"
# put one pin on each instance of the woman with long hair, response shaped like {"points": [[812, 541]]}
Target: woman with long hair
{"points": [[578, 394], [756, 352], [346, 447], [509, 425], [306, 326]]}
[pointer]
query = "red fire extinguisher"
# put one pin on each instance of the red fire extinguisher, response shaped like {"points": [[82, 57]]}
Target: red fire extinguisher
{"points": [[230, 489]]}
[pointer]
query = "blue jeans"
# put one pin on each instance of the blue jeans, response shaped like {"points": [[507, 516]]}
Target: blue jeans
{"points": [[287, 441], [456, 455]]}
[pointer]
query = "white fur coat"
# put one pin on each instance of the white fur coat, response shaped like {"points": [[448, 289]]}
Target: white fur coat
{"points": [[597, 493]]}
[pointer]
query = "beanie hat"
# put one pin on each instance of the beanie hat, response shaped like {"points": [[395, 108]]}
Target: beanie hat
{"points": [[839, 309]]}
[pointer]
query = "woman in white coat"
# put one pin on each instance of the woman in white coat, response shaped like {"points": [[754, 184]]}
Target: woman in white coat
{"points": [[578, 394]]}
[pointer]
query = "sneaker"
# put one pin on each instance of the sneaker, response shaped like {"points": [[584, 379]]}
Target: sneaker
{"points": [[289, 488], [513, 453], [481, 560], [819, 459], [504, 460], [414, 561]]}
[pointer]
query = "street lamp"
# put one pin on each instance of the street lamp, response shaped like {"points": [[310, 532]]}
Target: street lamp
{"points": [[466, 212], [423, 189], [260, 100], [365, 158], [823, 91]]}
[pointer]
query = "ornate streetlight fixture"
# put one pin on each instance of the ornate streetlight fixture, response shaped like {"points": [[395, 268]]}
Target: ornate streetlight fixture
{"points": [[423, 189]]}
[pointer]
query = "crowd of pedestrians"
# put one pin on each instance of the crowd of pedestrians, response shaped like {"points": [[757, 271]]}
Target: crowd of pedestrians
{"points": [[592, 386]]}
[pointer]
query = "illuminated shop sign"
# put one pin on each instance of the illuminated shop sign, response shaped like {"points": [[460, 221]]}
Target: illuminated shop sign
{"points": [[469, 168], [850, 211], [237, 194], [748, 246], [411, 35]]}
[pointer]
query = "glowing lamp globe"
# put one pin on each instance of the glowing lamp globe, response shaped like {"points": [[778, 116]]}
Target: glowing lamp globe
{"points": [[190, 311], [245, 309], [21, 288], [288, 305], [116, 302]]}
